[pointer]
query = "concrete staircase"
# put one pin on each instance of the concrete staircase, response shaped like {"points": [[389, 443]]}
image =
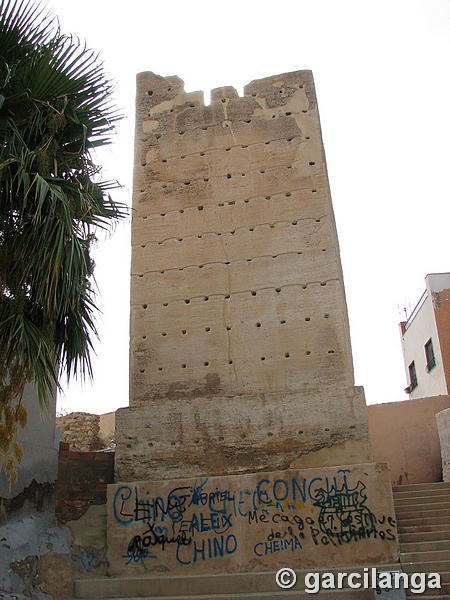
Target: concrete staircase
{"points": [[423, 520], [423, 517], [236, 586]]}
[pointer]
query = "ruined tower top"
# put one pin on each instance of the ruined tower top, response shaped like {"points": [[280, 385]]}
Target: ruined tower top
{"points": [[236, 284]]}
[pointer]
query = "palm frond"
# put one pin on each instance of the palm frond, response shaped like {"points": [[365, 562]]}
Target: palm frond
{"points": [[55, 108]]}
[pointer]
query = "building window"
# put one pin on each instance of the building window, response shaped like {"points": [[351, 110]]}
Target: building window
{"points": [[429, 354], [412, 378]]}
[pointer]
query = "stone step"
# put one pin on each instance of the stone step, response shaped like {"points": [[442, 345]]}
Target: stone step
{"points": [[431, 500], [444, 597], [444, 589], [425, 566], [279, 595], [423, 536], [418, 511], [426, 546], [191, 585], [410, 596], [445, 575], [423, 506], [425, 521], [429, 488], [422, 486], [283, 594], [420, 557], [445, 492], [423, 528], [430, 594]]}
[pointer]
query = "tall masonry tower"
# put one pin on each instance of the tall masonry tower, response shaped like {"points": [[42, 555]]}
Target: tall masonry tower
{"points": [[237, 292], [242, 398], [236, 276]]}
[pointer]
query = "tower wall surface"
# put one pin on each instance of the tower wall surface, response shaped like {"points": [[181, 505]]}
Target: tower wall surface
{"points": [[236, 284]]}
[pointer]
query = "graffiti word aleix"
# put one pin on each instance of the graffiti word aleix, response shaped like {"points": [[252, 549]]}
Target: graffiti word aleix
{"points": [[217, 522]]}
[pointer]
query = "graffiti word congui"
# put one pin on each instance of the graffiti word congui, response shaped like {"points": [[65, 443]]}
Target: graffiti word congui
{"points": [[280, 490]]}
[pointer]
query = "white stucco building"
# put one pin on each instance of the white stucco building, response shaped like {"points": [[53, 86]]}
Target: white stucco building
{"points": [[425, 340]]}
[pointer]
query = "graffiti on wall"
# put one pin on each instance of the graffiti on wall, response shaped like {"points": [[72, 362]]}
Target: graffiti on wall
{"points": [[87, 559], [196, 522]]}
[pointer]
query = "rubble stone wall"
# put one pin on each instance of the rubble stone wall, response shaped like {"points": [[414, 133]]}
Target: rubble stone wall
{"points": [[80, 430]]}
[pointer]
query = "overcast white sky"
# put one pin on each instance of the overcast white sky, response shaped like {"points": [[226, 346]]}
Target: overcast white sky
{"points": [[381, 70]]}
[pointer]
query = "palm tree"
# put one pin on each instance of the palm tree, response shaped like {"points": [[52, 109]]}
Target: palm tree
{"points": [[55, 108]]}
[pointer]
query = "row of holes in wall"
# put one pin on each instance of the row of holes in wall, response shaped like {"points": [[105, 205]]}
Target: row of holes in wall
{"points": [[207, 363], [220, 124], [243, 435], [275, 196], [228, 177], [231, 262], [222, 204], [281, 91], [229, 149], [223, 123], [228, 296], [229, 233], [258, 324]]}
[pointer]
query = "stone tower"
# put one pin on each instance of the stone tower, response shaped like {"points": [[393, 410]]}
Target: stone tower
{"points": [[236, 276], [242, 398], [237, 293]]}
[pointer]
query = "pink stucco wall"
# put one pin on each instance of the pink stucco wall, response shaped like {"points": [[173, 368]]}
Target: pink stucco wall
{"points": [[405, 435]]}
